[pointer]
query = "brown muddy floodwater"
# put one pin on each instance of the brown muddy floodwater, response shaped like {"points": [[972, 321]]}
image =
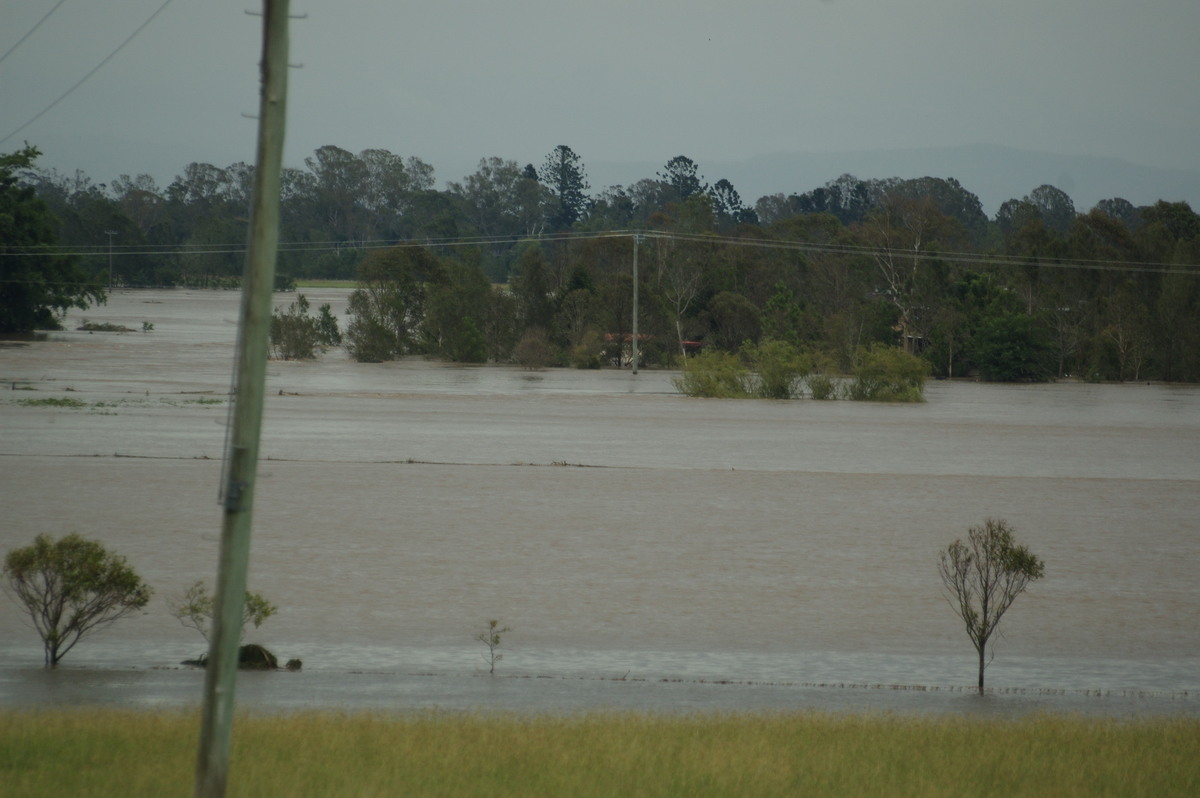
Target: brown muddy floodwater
{"points": [[649, 550]]}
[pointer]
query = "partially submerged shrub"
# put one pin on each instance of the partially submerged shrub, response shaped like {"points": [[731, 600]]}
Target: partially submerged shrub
{"points": [[887, 374], [491, 637], [533, 351], [779, 368], [195, 608], [714, 374], [586, 354], [295, 335], [821, 382]]}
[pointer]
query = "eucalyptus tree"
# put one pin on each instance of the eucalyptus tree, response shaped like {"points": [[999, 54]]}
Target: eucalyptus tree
{"points": [[501, 201], [904, 234], [1171, 234], [530, 286], [613, 209], [648, 197], [846, 197], [458, 312], [679, 271], [339, 194], [389, 185], [389, 303], [37, 285], [490, 197], [1122, 210], [772, 208], [1054, 206], [949, 196], [71, 587], [983, 576]]}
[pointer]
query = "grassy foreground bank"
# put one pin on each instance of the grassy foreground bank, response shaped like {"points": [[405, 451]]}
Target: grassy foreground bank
{"points": [[102, 753]]}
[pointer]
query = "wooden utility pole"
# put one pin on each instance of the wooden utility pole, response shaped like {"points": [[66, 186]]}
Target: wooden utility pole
{"points": [[212, 762], [637, 239]]}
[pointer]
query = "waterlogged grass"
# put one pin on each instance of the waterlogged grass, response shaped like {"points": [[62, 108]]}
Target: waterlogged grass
{"points": [[114, 753], [53, 401], [107, 408], [325, 284]]}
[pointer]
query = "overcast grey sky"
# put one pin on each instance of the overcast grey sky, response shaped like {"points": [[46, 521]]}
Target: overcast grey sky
{"points": [[620, 80]]}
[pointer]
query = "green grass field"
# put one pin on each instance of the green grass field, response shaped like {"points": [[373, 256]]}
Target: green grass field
{"points": [[100, 753]]}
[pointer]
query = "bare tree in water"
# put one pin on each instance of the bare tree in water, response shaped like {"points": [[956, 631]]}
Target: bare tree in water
{"points": [[983, 577]]}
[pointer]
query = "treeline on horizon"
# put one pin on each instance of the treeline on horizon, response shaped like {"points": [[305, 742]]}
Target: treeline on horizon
{"points": [[1042, 290]]}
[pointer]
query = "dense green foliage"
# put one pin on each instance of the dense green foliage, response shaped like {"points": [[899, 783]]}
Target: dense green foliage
{"points": [[714, 375], [887, 374], [778, 370], [295, 335], [37, 283], [1038, 292], [778, 367], [69, 588]]}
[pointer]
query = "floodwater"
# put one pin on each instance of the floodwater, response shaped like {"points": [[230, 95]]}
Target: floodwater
{"points": [[650, 551]]}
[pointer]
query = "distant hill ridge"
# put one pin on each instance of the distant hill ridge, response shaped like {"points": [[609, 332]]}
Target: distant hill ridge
{"points": [[993, 173]]}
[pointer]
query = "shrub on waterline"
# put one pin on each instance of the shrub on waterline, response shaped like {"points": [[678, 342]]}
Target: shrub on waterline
{"points": [[887, 374], [714, 375]]}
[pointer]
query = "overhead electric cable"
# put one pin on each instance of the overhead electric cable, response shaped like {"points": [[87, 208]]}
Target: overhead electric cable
{"points": [[980, 259], [36, 25], [95, 69]]}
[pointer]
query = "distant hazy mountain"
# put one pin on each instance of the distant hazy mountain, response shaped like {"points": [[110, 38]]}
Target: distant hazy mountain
{"points": [[993, 173]]}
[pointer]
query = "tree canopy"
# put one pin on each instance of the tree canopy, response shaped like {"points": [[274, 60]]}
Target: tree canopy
{"points": [[70, 587], [1040, 291], [37, 284]]}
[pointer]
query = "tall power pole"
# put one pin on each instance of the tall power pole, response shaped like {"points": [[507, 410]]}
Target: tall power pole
{"points": [[212, 761], [110, 234], [637, 239]]}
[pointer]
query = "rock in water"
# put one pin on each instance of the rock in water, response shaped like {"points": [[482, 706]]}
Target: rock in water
{"points": [[254, 657]]}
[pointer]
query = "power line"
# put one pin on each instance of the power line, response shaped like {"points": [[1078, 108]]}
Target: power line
{"points": [[95, 69], [36, 25], [844, 250]]}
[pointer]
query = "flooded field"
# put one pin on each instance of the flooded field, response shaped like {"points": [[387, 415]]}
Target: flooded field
{"points": [[648, 550]]}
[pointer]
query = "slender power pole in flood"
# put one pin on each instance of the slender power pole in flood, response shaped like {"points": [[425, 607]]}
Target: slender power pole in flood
{"points": [[637, 239], [216, 723]]}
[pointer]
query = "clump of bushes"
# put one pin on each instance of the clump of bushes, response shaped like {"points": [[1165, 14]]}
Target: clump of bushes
{"points": [[887, 374], [714, 375], [778, 370], [102, 326], [534, 351], [822, 381], [295, 335]]}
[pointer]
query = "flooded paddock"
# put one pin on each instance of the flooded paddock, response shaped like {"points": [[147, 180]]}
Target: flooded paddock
{"points": [[649, 550]]}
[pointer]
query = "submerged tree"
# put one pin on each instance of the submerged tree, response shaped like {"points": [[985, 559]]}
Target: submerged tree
{"points": [[37, 283], [491, 637], [195, 607], [70, 588], [388, 305], [983, 577], [295, 335]]}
